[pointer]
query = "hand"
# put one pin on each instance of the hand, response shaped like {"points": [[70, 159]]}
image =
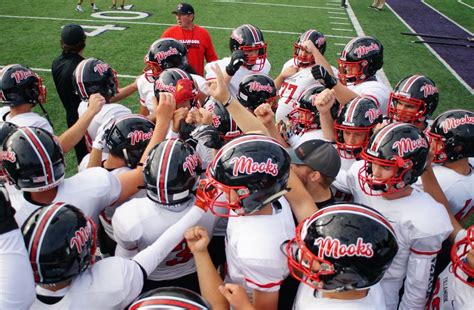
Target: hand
{"points": [[184, 91], [309, 46], [207, 135], [197, 238], [96, 102], [265, 114], [206, 116], [7, 213], [236, 61], [218, 88], [100, 141], [324, 101], [321, 74], [236, 296], [179, 116]]}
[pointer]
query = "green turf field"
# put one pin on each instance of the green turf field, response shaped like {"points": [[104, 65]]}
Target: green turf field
{"points": [[30, 36]]}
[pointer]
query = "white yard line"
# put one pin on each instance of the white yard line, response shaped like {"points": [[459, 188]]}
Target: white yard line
{"points": [[453, 72], [80, 20], [277, 4], [339, 29], [469, 6]]}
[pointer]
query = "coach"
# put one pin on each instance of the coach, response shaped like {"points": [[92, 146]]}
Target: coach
{"points": [[196, 39], [73, 42]]}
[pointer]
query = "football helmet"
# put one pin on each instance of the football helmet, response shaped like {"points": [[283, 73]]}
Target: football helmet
{"points": [[165, 53], [360, 115], [222, 120], [360, 59], [170, 298], [417, 91], [93, 76], [305, 116], [129, 137], [61, 242], [6, 128], [452, 133], [461, 268], [246, 174], [255, 89], [171, 172], [249, 39], [33, 159], [342, 247], [167, 81], [19, 85], [400, 146], [318, 39]]}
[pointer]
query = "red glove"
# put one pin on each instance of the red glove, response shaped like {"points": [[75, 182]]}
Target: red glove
{"points": [[184, 91]]}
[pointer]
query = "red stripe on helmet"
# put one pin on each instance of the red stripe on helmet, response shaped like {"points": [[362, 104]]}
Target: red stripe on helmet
{"points": [[44, 156], [409, 83], [162, 182]]}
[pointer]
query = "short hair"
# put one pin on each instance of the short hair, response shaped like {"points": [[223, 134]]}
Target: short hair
{"points": [[76, 48]]}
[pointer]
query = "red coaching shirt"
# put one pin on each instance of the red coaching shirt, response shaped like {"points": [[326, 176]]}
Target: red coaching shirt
{"points": [[197, 41]]}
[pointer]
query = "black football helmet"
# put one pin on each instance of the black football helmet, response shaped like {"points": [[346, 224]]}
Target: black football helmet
{"points": [[318, 39], [452, 132], [19, 85], [165, 53], [255, 89], [222, 120], [249, 39], [33, 159], [342, 247], [6, 128], [168, 79], [129, 137], [460, 266], [61, 242], [360, 115], [418, 91], [401, 146], [246, 174], [93, 76], [360, 59], [171, 172], [305, 116], [171, 297]]}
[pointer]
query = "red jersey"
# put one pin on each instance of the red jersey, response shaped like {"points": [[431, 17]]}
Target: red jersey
{"points": [[197, 41]]}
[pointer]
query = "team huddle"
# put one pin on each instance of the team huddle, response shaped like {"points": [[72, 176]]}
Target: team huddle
{"points": [[319, 189]]}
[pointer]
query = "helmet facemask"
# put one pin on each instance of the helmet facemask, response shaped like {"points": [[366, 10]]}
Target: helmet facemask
{"points": [[416, 112], [302, 60], [460, 267], [352, 72], [351, 150], [255, 56], [302, 120]]}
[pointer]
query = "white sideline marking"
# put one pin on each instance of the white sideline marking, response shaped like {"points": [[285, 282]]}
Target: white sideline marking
{"points": [[152, 24], [336, 23], [338, 13], [469, 6], [381, 76], [423, 1], [336, 17], [49, 71], [454, 73], [341, 44], [339, 29], [277, 4]]}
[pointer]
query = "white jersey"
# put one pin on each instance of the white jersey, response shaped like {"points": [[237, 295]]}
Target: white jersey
{"points": [[28, 119], [375, 90], [296, 140], [111, 283], [254, 258], [108, 110], [146, 90], [342, 194], [450, 293], [308, 298], [91, 191], [421, 224], [291, 89], [85, 161], [17, 287], [459, 190], [239, 75], [139, 222]]}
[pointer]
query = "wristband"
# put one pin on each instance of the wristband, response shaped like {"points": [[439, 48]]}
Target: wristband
{"points": [[229, 100]]}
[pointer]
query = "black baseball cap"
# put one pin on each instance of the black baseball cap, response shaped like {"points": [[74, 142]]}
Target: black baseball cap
{"points": [[72, 34], [319, 155], [183, 8]]}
